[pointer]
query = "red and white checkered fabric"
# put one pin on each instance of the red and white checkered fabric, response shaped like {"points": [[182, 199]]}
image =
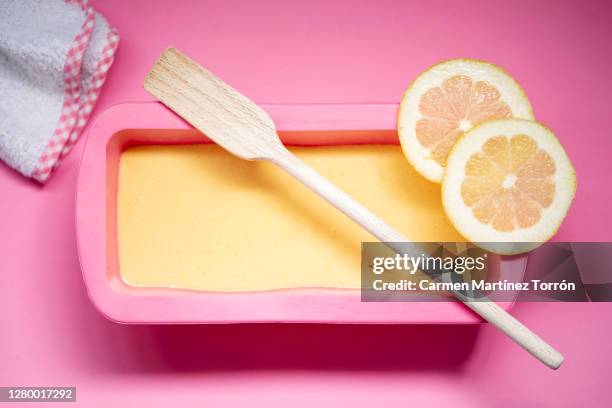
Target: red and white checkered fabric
{"points": [[79, 97]]}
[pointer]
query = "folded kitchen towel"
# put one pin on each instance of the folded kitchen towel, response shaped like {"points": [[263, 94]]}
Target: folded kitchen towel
{"points": [[54, 56]]}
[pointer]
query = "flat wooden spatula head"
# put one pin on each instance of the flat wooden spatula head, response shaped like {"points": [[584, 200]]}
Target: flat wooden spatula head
{"points": [[219, 111]]}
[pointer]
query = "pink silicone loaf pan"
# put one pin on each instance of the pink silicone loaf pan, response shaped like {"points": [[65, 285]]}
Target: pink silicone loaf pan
{"points": [[130, 124]]}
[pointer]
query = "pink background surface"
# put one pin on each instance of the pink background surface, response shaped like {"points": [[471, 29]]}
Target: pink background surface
{"points": [[319, 52]]}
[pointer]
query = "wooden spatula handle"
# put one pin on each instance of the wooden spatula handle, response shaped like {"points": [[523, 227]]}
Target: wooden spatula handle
{"points": [[336, 197], [489, 311], [514, 329]]}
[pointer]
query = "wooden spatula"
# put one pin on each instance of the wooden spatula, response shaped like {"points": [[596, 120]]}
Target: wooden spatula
{"points": [[244, 129]]}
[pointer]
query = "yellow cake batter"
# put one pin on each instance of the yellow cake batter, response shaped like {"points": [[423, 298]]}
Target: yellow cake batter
{"points": [[193, 216]]}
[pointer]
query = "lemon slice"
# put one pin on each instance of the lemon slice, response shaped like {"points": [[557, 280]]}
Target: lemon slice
{"points": [[508, 185], [449, 99]]}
